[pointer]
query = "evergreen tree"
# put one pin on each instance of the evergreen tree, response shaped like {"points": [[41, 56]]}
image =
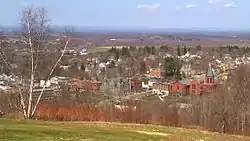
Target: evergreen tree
{"points": [[178, 50], [75, 66], [132, 48], [112, 64], [112, 50], [213, 50], [143, 67], [153, 50], [82, 68], [198, 48], [185, 50], [164, 48], [117, 55], [172, 67], [140, 49], [147, 49], [183, 75], [125, 51]]}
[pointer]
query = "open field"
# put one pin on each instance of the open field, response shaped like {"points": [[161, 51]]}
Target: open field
{"points": [[204, 46], [94, 131], [102, 48]]}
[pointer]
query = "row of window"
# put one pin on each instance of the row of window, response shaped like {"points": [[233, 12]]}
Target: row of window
{"points": [[193, 86], [210, 80]]}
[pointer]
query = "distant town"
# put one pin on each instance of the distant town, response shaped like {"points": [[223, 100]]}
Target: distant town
{"points": [[186, 80]]}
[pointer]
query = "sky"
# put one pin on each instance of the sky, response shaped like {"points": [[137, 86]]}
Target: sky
{"points": [[229, 14]]}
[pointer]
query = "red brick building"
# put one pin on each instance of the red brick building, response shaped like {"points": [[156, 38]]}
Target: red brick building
{"points": [[161, 86], [178, 87], [135, 84], [88, 85], [197, 85], [156, 73]]}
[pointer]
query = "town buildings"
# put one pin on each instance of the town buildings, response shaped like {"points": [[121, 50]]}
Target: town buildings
{"points": [[88, 85], [135, 84], [195, 85]]}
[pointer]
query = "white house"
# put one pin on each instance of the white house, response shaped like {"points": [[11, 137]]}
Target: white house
{"points": [[145, 85], [65, 66], [2, 87], [83, 52], [42, 83]]}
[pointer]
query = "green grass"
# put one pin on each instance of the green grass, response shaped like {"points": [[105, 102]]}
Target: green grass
{"points": [[93, 131]]}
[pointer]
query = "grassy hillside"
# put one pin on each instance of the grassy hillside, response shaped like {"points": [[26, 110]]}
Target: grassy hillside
{"points": [[86, 131]]}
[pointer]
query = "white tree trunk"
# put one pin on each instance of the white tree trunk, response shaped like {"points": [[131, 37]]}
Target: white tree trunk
{"points": [[51, 72], [23, 104], [243, 118], [32, 75]]}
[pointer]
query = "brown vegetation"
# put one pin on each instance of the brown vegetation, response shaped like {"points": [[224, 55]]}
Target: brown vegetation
{"points": [[226, 110], [110, 114]]}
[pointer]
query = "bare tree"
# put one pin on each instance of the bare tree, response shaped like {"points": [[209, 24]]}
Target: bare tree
{"points": [[239, 88], [227, 109], [34, 33]]}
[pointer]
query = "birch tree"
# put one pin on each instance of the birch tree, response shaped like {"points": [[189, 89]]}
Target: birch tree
{"points": [[34, 27]]}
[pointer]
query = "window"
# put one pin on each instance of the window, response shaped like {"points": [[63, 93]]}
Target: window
{"points": [[193, 86], [207, 80], [211, 80], [178, 88]]}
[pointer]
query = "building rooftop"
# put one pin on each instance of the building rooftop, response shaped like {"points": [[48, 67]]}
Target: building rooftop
{"points": [[185, 81]]}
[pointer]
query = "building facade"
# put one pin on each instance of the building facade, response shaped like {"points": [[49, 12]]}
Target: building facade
{"points": [[88, 85]]}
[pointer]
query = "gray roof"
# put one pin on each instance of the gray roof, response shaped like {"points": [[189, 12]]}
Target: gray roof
{"points": [[185, 81]]}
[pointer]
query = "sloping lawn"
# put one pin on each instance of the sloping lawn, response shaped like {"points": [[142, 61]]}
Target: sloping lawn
{"points": [[94, 131]]}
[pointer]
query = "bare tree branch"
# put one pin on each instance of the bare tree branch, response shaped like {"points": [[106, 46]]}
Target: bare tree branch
{"points": [[34, 28], [51, 72], [4, 58]]}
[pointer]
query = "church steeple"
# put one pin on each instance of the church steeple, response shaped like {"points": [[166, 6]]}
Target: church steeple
{"points": [[209, 72], [210, 75]]}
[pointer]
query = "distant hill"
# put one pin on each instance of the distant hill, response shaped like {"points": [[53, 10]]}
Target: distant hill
{"points": [[106, 30]]}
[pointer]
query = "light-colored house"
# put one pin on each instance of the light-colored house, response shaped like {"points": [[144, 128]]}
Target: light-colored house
{"points": [[65, 67], [4, 88], [44, 83], [83, 52], [160, 88], [145, 85]]}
